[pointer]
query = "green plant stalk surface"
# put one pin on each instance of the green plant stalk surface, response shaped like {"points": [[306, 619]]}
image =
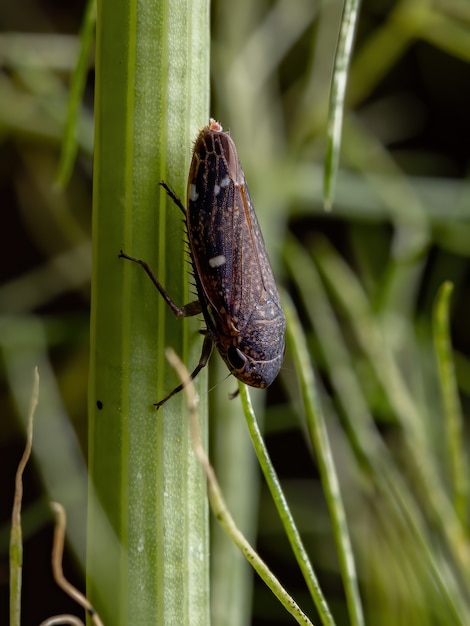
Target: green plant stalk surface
{"points": [[147, 554]]}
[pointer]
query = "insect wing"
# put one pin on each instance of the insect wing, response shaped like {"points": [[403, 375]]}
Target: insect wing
{"points": [[233, 275], [225, 237]]}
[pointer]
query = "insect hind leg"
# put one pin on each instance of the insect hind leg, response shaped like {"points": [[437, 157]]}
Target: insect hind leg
{"points": [[188, 310], [173, 196]]}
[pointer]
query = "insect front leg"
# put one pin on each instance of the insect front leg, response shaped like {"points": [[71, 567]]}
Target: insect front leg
{"points": [[203, 359], [188, 310]]}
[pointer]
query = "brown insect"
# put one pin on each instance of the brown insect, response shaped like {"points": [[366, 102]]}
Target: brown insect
{"points": [[235, 284]]}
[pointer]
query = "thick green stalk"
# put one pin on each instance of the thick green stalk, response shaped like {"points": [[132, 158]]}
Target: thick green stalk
{"points": [[147, 551]]}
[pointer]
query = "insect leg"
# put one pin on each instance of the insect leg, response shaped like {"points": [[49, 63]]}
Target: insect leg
{"points": [[193, 308], [173, 196], [203, 359]]}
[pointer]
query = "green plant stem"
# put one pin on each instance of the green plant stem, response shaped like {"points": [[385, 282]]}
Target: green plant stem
{"points": [[283, 509], [453, 419], [150, 566], [219, 507], [319, 437], [337, 97], [372, 455], [77, 87]]}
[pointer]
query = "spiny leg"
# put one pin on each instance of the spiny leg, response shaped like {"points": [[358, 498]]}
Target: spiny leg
{"points": [[203, 359], [193, 308], [188, 310], [173, 196]]}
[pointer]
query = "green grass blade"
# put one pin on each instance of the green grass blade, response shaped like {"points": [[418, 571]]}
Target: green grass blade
{"points": [[453, 418], [152, 93], [338, 93], [77, 86], [380, 474], [318, 433], [283, 509]]}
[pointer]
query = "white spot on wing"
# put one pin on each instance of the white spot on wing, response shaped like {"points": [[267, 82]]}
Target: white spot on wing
{"points": [[193, 194], [217, 261], [216, 190], [225, 181]]}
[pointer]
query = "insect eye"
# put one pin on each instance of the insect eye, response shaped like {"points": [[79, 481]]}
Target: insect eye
{"points": [[236, 358]]}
